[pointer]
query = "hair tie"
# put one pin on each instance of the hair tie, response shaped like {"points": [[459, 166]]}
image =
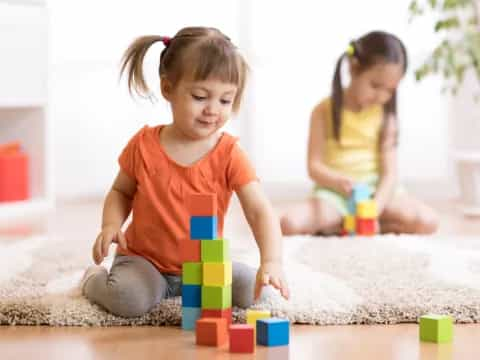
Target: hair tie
{"points": [[350, 50], [166, 40]]}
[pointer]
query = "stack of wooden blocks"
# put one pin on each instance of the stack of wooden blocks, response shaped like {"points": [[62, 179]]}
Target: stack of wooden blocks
{"points": [[362, 212], [207, 289]]}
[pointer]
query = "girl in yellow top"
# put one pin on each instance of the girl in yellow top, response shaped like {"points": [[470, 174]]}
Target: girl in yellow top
{"points": [[353, 138]]}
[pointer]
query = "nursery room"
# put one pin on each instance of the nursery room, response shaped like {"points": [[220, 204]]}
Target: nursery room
{"points": [[223, 179]]}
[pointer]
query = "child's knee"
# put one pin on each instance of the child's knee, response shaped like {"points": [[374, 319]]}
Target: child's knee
{"points": [[427, 222], [288, 225], [124, 301]]}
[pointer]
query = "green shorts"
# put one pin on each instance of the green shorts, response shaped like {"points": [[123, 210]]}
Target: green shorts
{"points": [[339, 202]]}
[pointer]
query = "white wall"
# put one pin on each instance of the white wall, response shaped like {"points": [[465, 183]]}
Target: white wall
{"points": [[291, 47]]}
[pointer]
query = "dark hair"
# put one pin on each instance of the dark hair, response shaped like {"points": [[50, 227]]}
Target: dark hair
{"points": [[196, 52], [372, 48]]}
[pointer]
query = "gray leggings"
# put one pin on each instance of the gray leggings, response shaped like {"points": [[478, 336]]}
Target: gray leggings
{"points": [[134, 286]]}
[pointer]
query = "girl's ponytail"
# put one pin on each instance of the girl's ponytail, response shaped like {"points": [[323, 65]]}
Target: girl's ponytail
{"points": [[337, 98], [132, 62]]}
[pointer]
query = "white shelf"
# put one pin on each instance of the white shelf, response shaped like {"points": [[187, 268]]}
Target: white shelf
{"points": [[24, 210], [24, 103]]}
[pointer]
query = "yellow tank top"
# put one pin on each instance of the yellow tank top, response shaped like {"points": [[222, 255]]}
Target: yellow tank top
{"points": [[357, 153]]}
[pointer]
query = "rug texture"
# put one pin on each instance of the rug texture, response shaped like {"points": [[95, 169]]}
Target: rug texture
{"points": [[333, 281]]}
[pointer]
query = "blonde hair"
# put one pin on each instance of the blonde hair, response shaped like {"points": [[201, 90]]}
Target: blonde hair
{"points": [[198, 53]]}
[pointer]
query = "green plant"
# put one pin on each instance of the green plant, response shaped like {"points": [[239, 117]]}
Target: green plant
{"points": [[457, 23]]}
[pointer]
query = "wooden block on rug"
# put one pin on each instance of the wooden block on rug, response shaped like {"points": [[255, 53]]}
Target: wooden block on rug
{"points": [[211, 331], [242, 338], [273, 332]]}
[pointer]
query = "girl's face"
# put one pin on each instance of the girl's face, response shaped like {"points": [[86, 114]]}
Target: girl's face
{"points": [[200, 108], [376, 84]]}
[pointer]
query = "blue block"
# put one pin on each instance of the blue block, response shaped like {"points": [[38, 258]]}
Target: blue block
{"points": [[203, 227], [191, 296], [273, 332], [361, 192], [352, 206], [190, 315]]}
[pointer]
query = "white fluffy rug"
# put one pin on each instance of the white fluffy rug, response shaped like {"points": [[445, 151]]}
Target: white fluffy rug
{"points": [[388, 279]]}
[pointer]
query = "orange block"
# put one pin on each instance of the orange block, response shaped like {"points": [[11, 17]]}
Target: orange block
{"points": [[242, 338], [211, 331], [10, 148], [365, 226], [191, 251], [220, 313], [202, 204], [14, 176]]}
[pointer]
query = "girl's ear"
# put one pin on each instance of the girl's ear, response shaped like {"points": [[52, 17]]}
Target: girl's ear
{"points": [[354, 66], [166, 87]]}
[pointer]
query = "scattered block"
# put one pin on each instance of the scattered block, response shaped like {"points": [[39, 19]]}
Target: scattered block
{"points": [[216, 297], [218, 313], [191, 295], [211, 331], [242, 339], [217, 274], [190, 315], [192, 273], [436, 328], [215, 250], [202, 204], [203, 227], [254, 315], [273, 332]]}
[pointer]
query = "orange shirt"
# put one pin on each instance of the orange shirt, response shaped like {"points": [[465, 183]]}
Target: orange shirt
{"points": [[159, 230]]}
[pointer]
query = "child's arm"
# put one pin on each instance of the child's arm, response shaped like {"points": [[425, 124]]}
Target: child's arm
{"points": [[266, 229], [318, 171], [116, 209], [388, 166]]}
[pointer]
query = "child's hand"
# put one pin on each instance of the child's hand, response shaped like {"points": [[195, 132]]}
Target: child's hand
{"points": [[345, 186], [108, 235], [271, 273]]}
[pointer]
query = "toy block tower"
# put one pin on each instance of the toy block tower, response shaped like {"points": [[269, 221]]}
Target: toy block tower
{"points": [[362, 212], [436, 328], [203, 225]]}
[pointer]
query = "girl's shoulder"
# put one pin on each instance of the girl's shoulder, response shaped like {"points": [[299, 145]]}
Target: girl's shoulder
{"points": [[322, 108]]}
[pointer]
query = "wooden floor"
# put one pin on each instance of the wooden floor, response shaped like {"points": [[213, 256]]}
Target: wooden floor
{"points": [[306, 342]]}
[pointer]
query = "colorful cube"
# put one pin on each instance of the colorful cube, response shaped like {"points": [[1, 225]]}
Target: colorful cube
{"points": [[436, 328], [242, 338], [216, 297], [367, 209], [203, 227], [361, 192], [202, 204], [365, 226], [218, 313], [215, 250], [217, 273], [192, 296], [190, 315], [211, 331], [349, 224], [273, 332], [254, 315], [192, 273]]}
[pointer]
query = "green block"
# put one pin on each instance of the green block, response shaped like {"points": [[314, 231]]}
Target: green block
{"points": [[216, 297], [436, 328], [215, 250], [192, 273]]}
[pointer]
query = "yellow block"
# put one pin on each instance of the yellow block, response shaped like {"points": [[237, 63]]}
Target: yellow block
{"points": [[349, 223], [367, 209], [254, 315], [217, 273]]}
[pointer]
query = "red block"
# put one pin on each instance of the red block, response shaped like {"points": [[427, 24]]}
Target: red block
{"points": [[242, 338], [211, 331], [202, 204], [365, 226], [221, 313], [14, 177]]}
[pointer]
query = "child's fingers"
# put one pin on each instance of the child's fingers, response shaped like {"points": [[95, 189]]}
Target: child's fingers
{"points": [[265, 279], [275, 282], [284, 290], [97, 250], [107, 239], [258, 289]]}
